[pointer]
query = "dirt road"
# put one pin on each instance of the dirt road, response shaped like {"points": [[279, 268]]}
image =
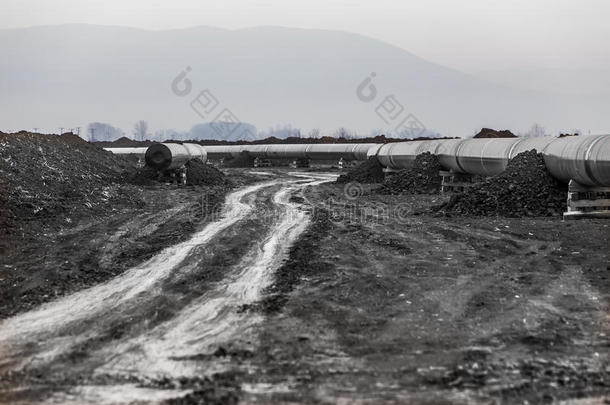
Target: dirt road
{"points": [[139, 325], [379, 301]]}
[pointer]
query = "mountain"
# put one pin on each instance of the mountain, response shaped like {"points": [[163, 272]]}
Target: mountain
{"points": [[70, 75]]}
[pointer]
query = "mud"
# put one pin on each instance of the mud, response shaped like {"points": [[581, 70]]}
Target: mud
{"points": [[301, 294], [421, 309], [143, 325]]}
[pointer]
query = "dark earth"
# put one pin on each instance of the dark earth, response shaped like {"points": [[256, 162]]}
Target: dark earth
{"points": [[381, 300]]}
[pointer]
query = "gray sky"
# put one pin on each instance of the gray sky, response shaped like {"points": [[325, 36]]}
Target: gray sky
{"points": [[469, 35]]}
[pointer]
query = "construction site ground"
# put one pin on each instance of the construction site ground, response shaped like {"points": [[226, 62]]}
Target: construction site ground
{"points": [[377, 300]]}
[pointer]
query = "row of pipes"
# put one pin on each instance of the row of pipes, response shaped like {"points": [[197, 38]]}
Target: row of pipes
{"points": [[584, 159]]}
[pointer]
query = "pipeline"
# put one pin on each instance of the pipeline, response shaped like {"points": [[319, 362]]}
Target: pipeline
{"points": [[140, 152], [167, 156], [584, 159], [353, 151]]}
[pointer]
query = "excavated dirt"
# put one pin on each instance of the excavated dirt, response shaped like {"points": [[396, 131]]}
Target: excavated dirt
{"points": [[379, 301], [199, 173], [47, 179], [243, 160], [73, 215], [367, 172], [492, 133], [144, 176], [525, 188], [422, 178]]}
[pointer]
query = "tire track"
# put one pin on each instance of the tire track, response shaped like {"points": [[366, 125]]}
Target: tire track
{"points": [[40, 338]]}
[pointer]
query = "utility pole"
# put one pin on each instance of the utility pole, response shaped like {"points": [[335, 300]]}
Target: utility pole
{"points": [[92, 134]]}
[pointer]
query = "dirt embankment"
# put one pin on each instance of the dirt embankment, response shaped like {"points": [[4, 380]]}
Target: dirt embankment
{"points": [[73, 215], [492, 133], [49, 179], [199, 173], [525, 188], [422, 178], [367, 172], [243, 160]]}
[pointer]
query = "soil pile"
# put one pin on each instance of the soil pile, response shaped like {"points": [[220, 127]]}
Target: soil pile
{"points": [[492, 133], [43, 176], [370, 171], [144, 176], [244, 159], [422, 178], [123, 142], [525, 188], [200, 173]]}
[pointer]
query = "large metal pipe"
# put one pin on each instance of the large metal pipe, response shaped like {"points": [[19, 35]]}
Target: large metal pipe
{"points": [[353, 151], [128, 151], [584, 159], [164, 156]]}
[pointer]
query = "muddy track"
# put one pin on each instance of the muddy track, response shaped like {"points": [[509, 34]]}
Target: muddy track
{"points": [[178, 304]]}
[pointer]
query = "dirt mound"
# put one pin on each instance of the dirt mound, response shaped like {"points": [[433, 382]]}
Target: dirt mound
{"points": [[422, 178], [144, 176], [525, 188], [69, 137], [200, 173], [492, 133], [370, 171], [244, 159], [43, 176]]}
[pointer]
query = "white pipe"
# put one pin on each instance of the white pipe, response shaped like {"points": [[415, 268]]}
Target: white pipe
{"points": [[128, 151], [347, 151], [584, 159]]}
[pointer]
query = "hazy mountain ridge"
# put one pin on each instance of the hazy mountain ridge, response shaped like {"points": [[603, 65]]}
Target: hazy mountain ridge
{"points": [[74, 74]]}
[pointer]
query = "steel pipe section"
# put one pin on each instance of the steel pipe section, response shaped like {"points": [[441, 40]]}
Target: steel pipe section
{"points": [[584, 159], [164, 156], [127, 151], [353, 151]]}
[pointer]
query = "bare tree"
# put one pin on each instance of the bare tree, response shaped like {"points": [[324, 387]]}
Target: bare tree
{"points": [[140, 130], [536, 130], [314, 133], [343, 133]]}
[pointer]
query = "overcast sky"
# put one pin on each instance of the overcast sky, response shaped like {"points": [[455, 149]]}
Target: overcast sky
{"points": [[469, 35]]}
